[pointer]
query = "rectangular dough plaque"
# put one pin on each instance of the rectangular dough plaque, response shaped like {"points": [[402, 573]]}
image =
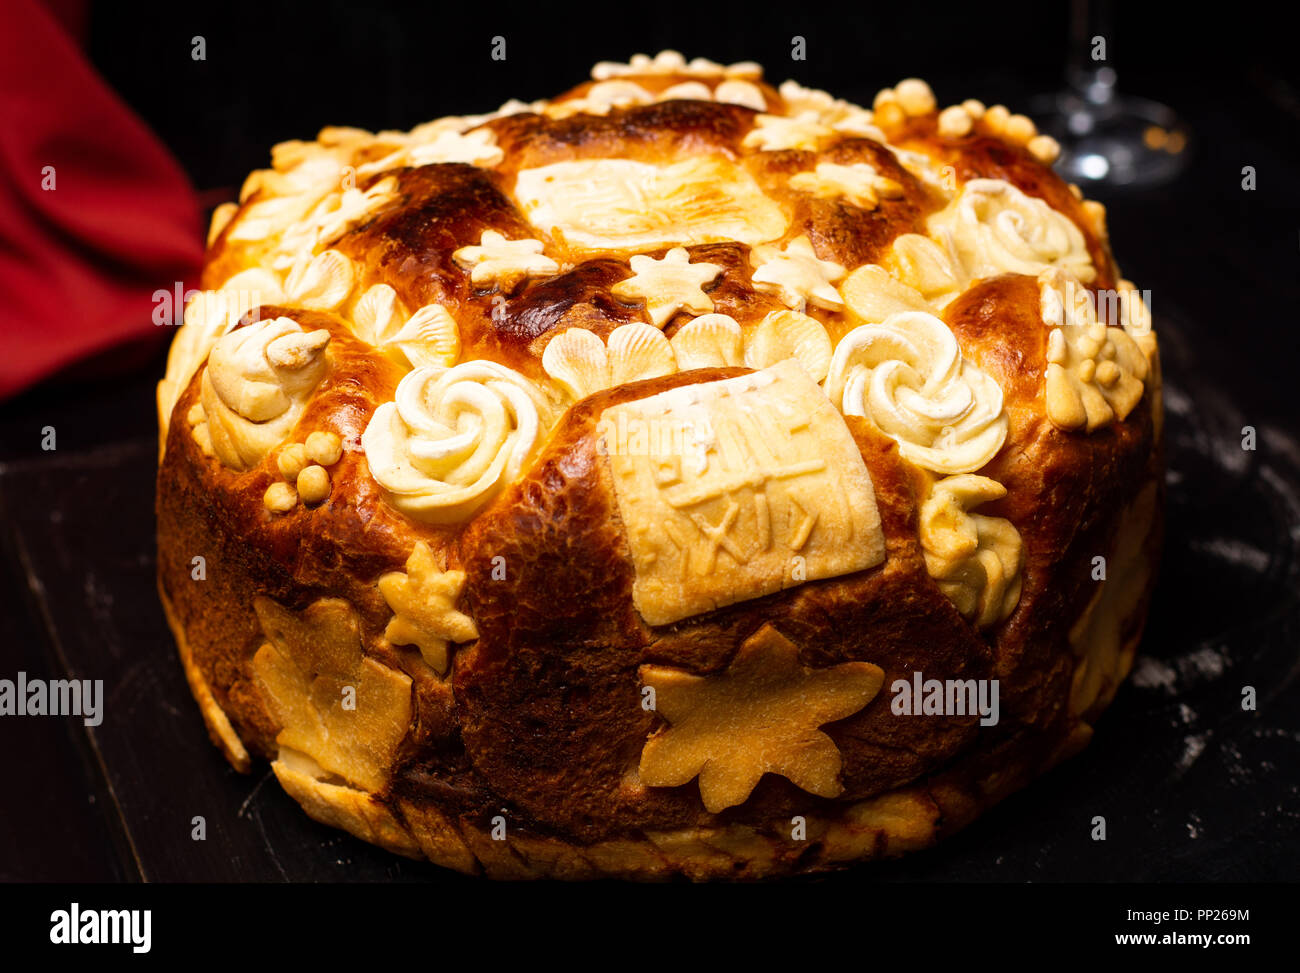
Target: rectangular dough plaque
{"points": [[736, 489]]}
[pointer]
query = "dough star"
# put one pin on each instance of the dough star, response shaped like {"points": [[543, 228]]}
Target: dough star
{"points": [[774, 133], [354, 206], [424, 604], [478, 148], [503, 262], [760, 715], [859, 183], [668, 285], [797, 276]]}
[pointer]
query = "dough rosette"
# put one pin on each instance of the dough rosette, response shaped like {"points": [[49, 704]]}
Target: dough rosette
{"points": [[906, 376], [453, 437], [993, 228]]}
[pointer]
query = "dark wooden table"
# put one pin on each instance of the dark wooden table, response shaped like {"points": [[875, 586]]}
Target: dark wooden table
{"points": [[1192, 787]]}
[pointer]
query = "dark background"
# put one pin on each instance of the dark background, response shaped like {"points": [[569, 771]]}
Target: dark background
{"points": [[277, 70], [1221, 264]]}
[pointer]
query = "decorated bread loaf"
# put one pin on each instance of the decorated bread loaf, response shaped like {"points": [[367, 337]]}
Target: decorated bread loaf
{"points": [[682, 477]]}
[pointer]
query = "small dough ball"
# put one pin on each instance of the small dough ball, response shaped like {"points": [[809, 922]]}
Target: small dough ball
{"points": [[915, 96], [280, 498], [313, 484], [291, 460], [324, 448]]}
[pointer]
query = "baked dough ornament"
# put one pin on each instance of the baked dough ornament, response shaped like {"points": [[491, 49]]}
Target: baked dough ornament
{"points": [[378, 315], [430, 336], [344, 710], [209, 315], [760, 715], [993, 227], [197, 420], [835, 113], [453, 438], [871, 294], [859, 184], [743, 487], [744, 93], [304, 468], [907, 376], [352, 206], [939, 179], [312, 214], [673, 63], [925, 267], [477, 148], [1094, 372], [423, 600], [582, 364], [600, 205], [773, 133], [668, 285], [974, 558], [503, 263], [320, 283], [709, 341], [443, 141], [682, 384], [785, 335], [256, 386], [619, 93], [273, 215], [797, 276]]}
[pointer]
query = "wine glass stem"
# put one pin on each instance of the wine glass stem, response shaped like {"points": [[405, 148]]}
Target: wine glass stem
{"points": [[1088, 71]]}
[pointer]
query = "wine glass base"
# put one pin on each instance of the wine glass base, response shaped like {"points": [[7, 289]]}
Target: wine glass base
{"points": [[1125, 142]]}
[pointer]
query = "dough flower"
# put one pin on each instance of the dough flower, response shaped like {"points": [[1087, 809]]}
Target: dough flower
{"points": [[453, 437]]}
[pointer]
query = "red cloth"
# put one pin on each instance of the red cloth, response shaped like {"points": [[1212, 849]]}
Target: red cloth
{"points": [[79, 264]]}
